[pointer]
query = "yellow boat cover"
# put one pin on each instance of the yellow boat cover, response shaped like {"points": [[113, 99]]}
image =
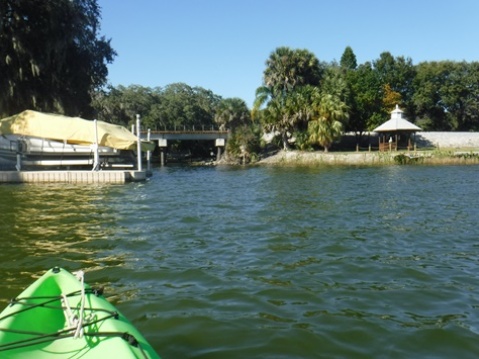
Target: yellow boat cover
{"points": [[73, 130]]}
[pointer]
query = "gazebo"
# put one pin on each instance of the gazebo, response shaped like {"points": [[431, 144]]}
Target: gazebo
{"points": [[396, 132]]}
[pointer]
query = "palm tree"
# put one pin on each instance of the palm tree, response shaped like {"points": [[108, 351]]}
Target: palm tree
{"points": [[328, 126], [286, 93], [287, 69], [232, 113], [282, 115]]}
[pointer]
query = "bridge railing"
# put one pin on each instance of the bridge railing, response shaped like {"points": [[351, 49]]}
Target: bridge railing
{"points": [[201, 128], [189, 132]]}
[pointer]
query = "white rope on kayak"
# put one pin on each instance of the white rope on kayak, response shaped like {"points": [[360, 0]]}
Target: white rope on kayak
{"points": [[79, 330], [75, 322]]}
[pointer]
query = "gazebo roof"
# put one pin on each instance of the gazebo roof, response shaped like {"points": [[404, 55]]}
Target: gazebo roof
{"points": [[397, 123]]}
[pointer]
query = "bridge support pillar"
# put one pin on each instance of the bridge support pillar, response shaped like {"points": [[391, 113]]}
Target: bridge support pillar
{"points": [[220, 142], [162, 144], [162, 157]]}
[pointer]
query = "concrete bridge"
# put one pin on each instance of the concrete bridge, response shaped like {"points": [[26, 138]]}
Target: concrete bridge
{"points": [[220, 138], [186, 135]]}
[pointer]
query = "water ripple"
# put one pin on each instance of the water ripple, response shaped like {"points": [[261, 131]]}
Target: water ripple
{"points": [[267, 262]]}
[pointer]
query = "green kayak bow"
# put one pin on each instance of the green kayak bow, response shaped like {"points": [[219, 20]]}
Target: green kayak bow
{"points": [[60, 316]]}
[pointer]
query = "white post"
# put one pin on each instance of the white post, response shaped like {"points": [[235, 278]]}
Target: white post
{"points": [[19, 162], [96, 161], [148, 154], [138, 142]]}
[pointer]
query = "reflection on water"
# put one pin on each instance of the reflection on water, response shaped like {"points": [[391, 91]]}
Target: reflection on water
{"points": [[267, 262], [47, 225]]}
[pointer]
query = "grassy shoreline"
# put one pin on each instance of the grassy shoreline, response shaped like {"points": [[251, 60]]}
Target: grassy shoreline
{"points": [[433, 157]]}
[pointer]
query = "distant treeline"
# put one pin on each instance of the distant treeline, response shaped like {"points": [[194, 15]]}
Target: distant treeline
{"points": [[301, 97], [437, 96]]}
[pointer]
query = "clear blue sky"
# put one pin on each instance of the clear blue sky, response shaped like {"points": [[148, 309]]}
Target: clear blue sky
{"points": [[222, 45]]}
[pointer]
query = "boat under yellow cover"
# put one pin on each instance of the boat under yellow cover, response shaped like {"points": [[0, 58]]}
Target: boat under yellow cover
{"points": [[72, 130]]}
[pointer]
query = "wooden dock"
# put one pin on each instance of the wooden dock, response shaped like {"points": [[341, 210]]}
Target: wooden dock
{"points": [[83, 177]]}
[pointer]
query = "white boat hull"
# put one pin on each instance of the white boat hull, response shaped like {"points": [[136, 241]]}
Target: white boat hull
{"points": [[33, 152]]}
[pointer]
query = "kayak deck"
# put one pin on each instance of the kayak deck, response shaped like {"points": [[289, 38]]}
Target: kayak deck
{"points": [[61, 316]]}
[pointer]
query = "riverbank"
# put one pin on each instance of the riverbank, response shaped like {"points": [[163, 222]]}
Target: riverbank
{"points": [[371, 158]]}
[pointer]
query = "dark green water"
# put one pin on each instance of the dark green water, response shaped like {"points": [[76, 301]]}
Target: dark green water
{"points": [[267, 262]]}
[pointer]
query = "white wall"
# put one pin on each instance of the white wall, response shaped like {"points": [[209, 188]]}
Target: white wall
{"points": [[448, 139]]}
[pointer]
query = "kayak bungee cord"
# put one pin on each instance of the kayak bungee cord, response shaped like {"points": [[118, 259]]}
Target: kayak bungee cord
{"points": [[130, 339], [76, 323], [50, 299]]}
